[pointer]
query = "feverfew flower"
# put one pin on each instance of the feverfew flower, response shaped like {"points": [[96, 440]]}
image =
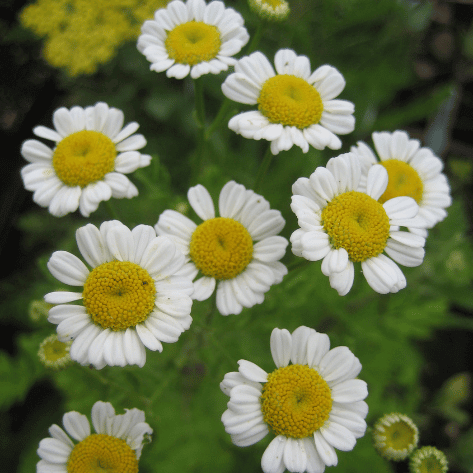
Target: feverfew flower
{"points": [[116, 445], [238, 252], [343, 226], [271, 10], [427, 460], [53, 353], [295, 106], [395, 436], [131, 299], [92, 154], [413, 171], [313, 405], [192, 37]]}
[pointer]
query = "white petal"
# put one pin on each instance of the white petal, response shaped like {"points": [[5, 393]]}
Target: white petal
{"points": [[338, 436], [252, 371], [203, 288], [281, 347], [351, 390], [401, 208], [67, 268], [325, 450], [272, 460], [201, 202], [342, 282], [300, 338], [377, 181], [295, 457], [318, 345], [76, 425]]}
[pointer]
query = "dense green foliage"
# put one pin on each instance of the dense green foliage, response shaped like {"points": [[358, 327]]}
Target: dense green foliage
{"points": [[373, 45]]}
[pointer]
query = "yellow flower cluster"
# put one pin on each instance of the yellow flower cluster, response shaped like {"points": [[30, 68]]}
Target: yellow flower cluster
{"points": [[81, 34]]}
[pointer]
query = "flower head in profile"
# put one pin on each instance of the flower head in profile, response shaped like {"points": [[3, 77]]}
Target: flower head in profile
{"points": [[238, 252], [343, 226], [413, 171], [131, 299], [192, 37], [427, 460], [295, 105], [313, 405], [115, 446], [271, 10], [53, 353], [92, 154], [395, 436]]}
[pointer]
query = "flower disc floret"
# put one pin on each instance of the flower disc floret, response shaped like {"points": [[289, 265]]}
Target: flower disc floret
{"points": [[291, 101], [403, 180], [296, 401], [84, 157], [193, 42], [53, 353], [99, 453], [119, 295], [358, 223], [221, 248]]}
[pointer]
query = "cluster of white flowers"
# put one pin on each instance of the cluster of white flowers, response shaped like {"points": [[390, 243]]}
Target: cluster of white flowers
{"points": [[139, 286]]}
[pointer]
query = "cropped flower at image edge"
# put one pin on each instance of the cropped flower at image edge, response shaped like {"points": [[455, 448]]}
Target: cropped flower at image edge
{"points": [[116, 445]]}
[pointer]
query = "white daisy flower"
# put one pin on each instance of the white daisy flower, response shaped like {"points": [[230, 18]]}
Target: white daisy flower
{"points": [[116, 445], [192, 37], [93, 151], [238, 252], [295, 106], [413, 171], [131, 299], [313, 405], [343, 226]]}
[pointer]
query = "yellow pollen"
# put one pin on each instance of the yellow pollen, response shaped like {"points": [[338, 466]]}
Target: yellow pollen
{"points": [[193, 42], [296, 401], [221, 248], [119, 295], [291, 101], [356, 222], [403, 181], [100, 453], [84, 157]]}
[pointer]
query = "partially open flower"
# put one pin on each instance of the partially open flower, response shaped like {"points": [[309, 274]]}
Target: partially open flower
{"points": [[395, 436], [428, 460], [272, 10], [53, 353]]}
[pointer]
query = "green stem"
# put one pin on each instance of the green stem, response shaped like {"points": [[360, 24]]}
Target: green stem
{"points": [[219, 119], [200, 119], [263, 169], [256, 37]]}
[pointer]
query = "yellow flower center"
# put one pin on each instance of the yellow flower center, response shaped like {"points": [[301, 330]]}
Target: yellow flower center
{"points": [[84, 157], [221, 248], [193, 42], [296, 401], [100, 453], [356, 222], [430, 465], [273, 3], [403, 181], [291, 101], [119, 295]]}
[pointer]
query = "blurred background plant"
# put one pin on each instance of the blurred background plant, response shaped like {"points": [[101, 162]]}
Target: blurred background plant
{"points": [[408, 65]]}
